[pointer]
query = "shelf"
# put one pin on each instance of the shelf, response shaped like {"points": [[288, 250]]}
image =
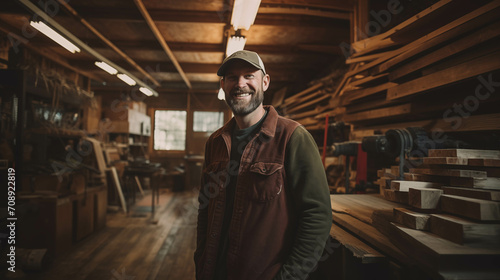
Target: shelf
{"points": [[61, 132], [138, 145]]}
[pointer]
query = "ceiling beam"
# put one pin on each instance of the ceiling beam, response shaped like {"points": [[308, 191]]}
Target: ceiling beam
{"points": [[220, 48], [207, 68], [108, 42], [161, 40], [341, 5], [275, 16], [303, 11]]}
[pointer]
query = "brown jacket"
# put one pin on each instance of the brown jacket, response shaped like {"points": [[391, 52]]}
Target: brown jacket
{"points": [[264, 223]]}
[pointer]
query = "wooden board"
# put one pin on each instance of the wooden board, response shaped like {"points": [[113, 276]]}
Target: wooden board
{"points": [[118, 187], [463, 24], [371, 235], [411, 219], [312, 113], [358, 248], [450, 75], [439, 254], [384, 182], [309, 103], [484, 162], [449, 172], [332, 113], [368, 79], [477, 209], [384, 172], [448, 50], [360, 206], [416, 19], [477, 183], [466, 23], [396, 196], [472, 123], [446, 161], [350, 96], [473, 193], [465, 153], [99, 156], [404, 186], [305, 98], [424, 198], [465, 232], [393, 111], [443, 180], [297, 96]]}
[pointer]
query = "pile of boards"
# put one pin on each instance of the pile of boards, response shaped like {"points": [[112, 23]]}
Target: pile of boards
{"points": [[450, 214], [415, 74]]}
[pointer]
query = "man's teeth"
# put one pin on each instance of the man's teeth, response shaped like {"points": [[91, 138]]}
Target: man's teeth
{"points": [[242, 94]]}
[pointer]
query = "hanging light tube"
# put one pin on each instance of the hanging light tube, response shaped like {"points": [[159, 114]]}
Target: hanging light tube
{"points": [[56, 37], [244, 13], [129, 81], [79, 43], [234, 44], [106, 67], [146, 91]]}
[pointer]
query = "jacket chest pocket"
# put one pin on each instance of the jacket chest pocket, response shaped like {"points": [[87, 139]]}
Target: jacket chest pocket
{"points": [[266, 181]]}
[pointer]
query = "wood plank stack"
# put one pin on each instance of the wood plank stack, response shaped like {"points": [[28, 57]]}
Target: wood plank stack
{"points": [[453, 198], [444, 245], [442, 53], [451, 213]]}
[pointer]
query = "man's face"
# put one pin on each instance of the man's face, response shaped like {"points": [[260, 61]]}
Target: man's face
{"points": [[244, 87]]}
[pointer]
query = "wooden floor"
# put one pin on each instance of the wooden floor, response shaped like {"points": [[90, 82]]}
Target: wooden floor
{"points": [[131, 247]]}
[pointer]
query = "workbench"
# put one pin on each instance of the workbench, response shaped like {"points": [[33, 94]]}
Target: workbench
{"points": [[373, 246]]}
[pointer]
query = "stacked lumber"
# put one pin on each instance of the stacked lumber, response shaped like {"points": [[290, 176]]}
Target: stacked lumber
{"points": [[442, 53], [307, 105], [450, 210], [444, 245]]}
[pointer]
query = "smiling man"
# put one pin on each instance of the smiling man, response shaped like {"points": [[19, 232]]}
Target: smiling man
{"points": [[264, 200]]}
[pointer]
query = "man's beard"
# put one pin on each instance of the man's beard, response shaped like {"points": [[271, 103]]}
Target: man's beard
{"points": [[241, 107]]}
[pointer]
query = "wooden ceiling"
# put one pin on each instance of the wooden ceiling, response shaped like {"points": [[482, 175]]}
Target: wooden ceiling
{"points": [[298, 40]]}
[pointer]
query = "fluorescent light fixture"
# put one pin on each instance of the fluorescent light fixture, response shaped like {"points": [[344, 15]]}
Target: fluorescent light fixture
{"points": [[244, 13], [106, 67], [49, 32], [129, 81], [234, 44], [221, 95], [146, 91]]}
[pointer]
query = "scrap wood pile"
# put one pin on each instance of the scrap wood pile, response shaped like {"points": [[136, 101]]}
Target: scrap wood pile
{"points": [[449, 210], [414, 75]]}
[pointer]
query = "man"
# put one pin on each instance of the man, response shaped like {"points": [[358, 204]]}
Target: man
{"points": [[264, 200]]}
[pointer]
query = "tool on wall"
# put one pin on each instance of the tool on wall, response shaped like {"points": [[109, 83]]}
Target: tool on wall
{"points": [[351, 149], [412, 142]]}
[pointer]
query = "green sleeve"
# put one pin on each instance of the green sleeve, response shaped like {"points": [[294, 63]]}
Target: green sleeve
{"points": [[311, 199]]}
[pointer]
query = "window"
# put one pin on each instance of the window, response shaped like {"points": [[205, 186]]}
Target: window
{"points": [[207, 121], [170, 130]]}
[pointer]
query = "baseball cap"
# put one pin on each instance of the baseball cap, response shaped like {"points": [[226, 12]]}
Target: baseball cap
{"points": [[251, 57]]}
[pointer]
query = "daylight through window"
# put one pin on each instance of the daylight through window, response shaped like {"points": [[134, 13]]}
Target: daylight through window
{"points": [[170, 130], [207, 121]]}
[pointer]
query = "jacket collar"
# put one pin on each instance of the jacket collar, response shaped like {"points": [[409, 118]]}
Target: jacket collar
{"points": [[268, 126]]}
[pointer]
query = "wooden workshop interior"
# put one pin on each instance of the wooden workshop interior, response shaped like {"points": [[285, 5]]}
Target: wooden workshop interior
{"points": [[105, 108]]}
